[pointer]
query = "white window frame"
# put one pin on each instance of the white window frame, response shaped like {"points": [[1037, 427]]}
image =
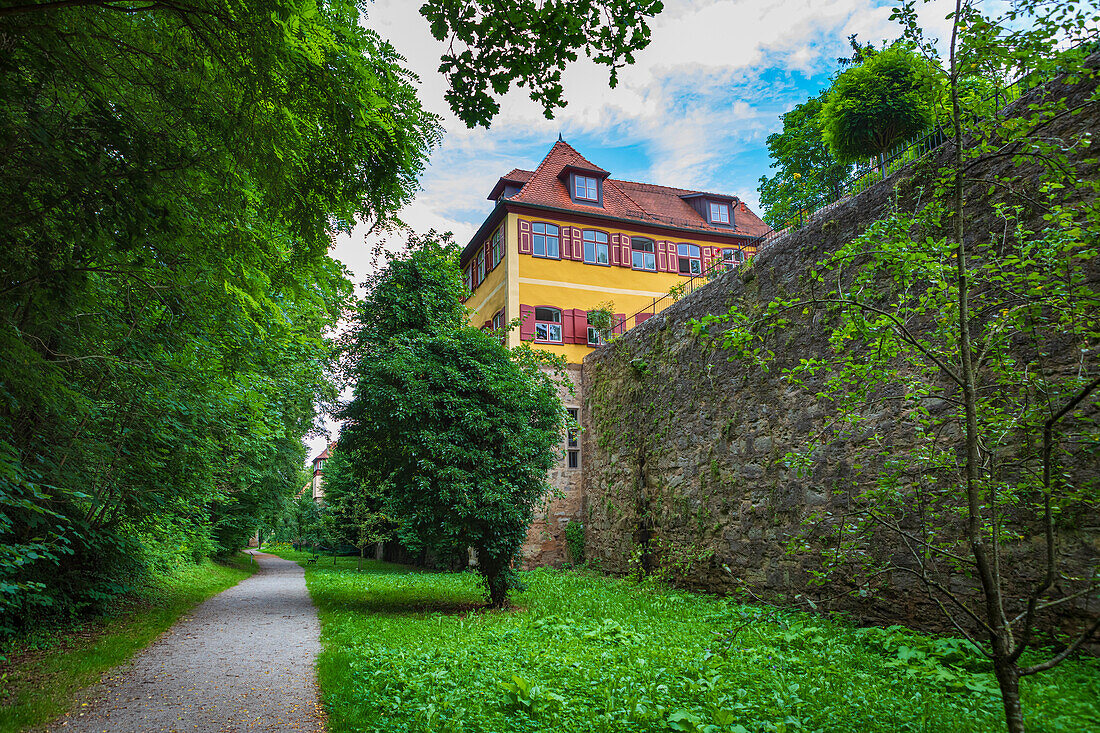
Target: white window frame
{"points": [[719, 213], [539, 231], [598, 247], [548, 331], [643, 259], [585, 185]]}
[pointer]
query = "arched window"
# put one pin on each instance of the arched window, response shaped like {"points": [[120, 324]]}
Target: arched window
{"points": [[642, 251], [544, 240], [548, 325], [690, 260], [595, 247]]}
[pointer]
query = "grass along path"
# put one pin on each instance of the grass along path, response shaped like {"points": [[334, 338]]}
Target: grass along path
{"points": [[43, 677], [403, 651]]}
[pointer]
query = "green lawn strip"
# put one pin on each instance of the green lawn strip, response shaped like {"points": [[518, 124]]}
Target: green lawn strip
{"points": [[405, 651], [41, 683]]}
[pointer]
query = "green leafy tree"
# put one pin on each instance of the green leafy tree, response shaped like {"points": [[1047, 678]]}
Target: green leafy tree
{"points": [[874, 106], [984, 344], [171, 181], [459, 430], [358, 509], [808, 175]]}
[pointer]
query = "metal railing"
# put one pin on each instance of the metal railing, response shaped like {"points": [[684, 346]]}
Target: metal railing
{"points": [[866, 175], [693, 283]]}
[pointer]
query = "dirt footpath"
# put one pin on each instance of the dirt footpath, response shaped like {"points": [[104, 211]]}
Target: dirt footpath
{"points": [[241, 661]]}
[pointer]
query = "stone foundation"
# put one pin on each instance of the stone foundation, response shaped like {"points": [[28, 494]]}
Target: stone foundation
{"points": [[545, 545]]}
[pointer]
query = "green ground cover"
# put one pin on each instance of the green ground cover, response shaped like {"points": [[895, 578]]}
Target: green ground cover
{"points": [[42, 676], [409, 651]]}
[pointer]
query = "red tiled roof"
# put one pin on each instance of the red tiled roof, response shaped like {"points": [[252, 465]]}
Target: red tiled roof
{"points": [[644, 202], [518, 175]]}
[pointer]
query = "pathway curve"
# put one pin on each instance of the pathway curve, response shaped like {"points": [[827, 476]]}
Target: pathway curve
{"points": [[241, 661]]}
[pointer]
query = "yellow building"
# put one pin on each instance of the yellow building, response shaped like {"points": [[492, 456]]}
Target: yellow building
{"points": [[567, 237]]}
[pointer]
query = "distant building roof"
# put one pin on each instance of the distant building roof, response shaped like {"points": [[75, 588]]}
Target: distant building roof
{"points": [[643, 202]]}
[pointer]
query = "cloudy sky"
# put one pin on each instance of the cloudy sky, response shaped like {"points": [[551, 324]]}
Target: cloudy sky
{"points": [[694, 111]]}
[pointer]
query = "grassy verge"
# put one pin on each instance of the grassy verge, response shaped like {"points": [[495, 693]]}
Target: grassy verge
{"points": [[406, 651], [43, 676]]}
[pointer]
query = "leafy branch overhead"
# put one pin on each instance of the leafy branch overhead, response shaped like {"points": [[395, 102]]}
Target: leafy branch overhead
{"points": [[492, 46]]}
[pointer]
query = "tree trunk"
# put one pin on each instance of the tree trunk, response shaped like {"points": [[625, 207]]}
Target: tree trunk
{"points": [[359, 567], [1008, 677]]}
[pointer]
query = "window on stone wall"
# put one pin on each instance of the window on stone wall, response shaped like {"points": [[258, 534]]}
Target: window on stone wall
{"points": [[572, 441]]}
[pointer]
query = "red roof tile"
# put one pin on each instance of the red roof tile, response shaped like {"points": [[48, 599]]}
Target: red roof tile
{"points": [[644, 202]]}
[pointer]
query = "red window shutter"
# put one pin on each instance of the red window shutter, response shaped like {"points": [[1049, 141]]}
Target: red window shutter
{"points": [[642, 318], [525, 237], [624, 258], [578, 254], [614, 249], [566, 326], [662, 257], [580, 325], [619, 324], [565, 245], [487, 324], [527, 328], [488, 255]]}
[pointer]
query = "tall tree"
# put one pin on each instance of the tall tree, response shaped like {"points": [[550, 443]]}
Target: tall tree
{"points": [[459, 430], [978, 322], [171, 178], [808, 175]]}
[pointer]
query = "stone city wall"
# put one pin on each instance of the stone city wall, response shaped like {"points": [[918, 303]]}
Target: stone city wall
{"points": [[684, 469]]}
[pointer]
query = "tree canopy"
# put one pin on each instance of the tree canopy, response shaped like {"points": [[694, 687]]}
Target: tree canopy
{"points": [[529, 43], [878, 104], [171, 179]]}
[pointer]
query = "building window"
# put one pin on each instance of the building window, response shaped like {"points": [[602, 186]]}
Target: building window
{"points": [[498, 246], [732, 256], [586, 188], [595, 247], [469, 278], [643, 256], [719, 213], [544, 240], [690, 262], [498, 320], [481, 265], [594, 337], [572, 440], [548, 325]]}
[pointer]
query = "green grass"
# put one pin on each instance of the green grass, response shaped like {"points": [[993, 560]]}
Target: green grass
{"points": [[409, 651], [44, 675]]}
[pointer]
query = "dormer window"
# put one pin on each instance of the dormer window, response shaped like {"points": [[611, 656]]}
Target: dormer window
{"points": [[719, 213], [586, 188]]}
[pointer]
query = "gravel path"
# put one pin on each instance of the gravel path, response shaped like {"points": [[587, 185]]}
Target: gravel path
{"points": [[241, 661]]}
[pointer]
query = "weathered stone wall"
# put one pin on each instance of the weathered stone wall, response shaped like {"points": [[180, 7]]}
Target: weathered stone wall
{"points": [[545, 545], [684, 448]]}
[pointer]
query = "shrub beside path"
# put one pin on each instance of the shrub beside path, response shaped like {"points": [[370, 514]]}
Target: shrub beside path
{"points": [[241, 661]]}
